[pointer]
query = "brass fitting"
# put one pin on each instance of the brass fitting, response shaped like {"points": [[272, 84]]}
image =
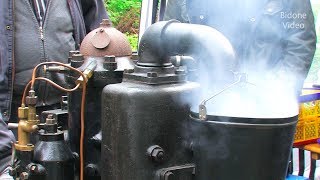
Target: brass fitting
{"points": [[60, 69], [28, 122], [88, 72], [25, 127], [31, 101], [23, 112]]}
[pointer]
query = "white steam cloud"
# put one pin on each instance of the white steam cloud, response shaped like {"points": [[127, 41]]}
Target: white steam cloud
{"points": [[262, 37]]}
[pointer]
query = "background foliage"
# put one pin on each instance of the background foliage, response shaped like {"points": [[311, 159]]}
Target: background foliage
{"points": [[125, 16]]}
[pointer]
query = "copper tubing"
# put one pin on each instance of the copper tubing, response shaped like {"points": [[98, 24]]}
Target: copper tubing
{"points": [[50, 82], [56, 63], [83, 99]]}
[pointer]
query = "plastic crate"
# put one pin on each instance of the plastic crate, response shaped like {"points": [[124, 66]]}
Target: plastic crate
{"points": [[308, 126]]}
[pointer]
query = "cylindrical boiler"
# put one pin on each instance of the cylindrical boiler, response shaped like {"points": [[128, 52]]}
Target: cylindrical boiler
{"points": [[145, 118]]}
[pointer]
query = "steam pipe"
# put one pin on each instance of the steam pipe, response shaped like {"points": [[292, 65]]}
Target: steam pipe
{"points": [[170, 38]]}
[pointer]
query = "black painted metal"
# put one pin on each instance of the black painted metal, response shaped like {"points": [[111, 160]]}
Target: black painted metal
{"points": [[61, 115], [55, 156], [36, 172], [100, 78], [183, 172], [137, 116], [23, 159], [144, 119], [231, 148], [169, 38]]}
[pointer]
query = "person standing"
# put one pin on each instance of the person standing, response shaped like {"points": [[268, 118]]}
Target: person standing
{"points": [[276, 37]]}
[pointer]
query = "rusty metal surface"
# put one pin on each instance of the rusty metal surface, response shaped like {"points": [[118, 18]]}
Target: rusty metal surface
{"points": [[105, 40]]}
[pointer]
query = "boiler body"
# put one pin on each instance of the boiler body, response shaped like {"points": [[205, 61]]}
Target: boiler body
{"points": [[139, 119]]}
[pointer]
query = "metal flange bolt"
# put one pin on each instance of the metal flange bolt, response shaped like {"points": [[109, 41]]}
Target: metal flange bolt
{"points": [[156, 153], [76, 60], [152, 74]]}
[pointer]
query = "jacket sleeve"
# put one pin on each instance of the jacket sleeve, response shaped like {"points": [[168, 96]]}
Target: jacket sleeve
{"points": [[93, 13], [6, 139], [300, 42], [176, 9]]}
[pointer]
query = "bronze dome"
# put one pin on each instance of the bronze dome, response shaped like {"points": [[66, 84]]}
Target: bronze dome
{"points": [[105, 41]]}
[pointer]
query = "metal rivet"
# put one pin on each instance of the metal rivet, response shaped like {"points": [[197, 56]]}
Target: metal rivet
{"points": [[8, 27]]}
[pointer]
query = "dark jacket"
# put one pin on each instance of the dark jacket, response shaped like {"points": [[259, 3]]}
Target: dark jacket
{"points": [[277, 36], [86, 15]]}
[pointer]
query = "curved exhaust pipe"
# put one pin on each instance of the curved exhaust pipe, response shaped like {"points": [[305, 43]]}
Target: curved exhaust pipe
{"points": [[170, 38]]}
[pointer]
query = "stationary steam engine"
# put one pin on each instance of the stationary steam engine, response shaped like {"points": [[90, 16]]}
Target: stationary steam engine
{"points": [[144, 118]]}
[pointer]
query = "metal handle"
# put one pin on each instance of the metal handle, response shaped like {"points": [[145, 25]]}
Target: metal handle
{"points": [[242, 77]]}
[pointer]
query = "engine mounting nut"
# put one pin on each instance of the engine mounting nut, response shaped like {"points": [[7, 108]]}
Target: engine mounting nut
{"points": [[156, 153]]}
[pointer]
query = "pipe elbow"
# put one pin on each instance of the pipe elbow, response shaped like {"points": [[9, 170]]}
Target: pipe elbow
{"points": [[170, 38]]}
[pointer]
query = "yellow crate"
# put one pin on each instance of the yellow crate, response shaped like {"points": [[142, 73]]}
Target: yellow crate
{"points": [[308, 127]]}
